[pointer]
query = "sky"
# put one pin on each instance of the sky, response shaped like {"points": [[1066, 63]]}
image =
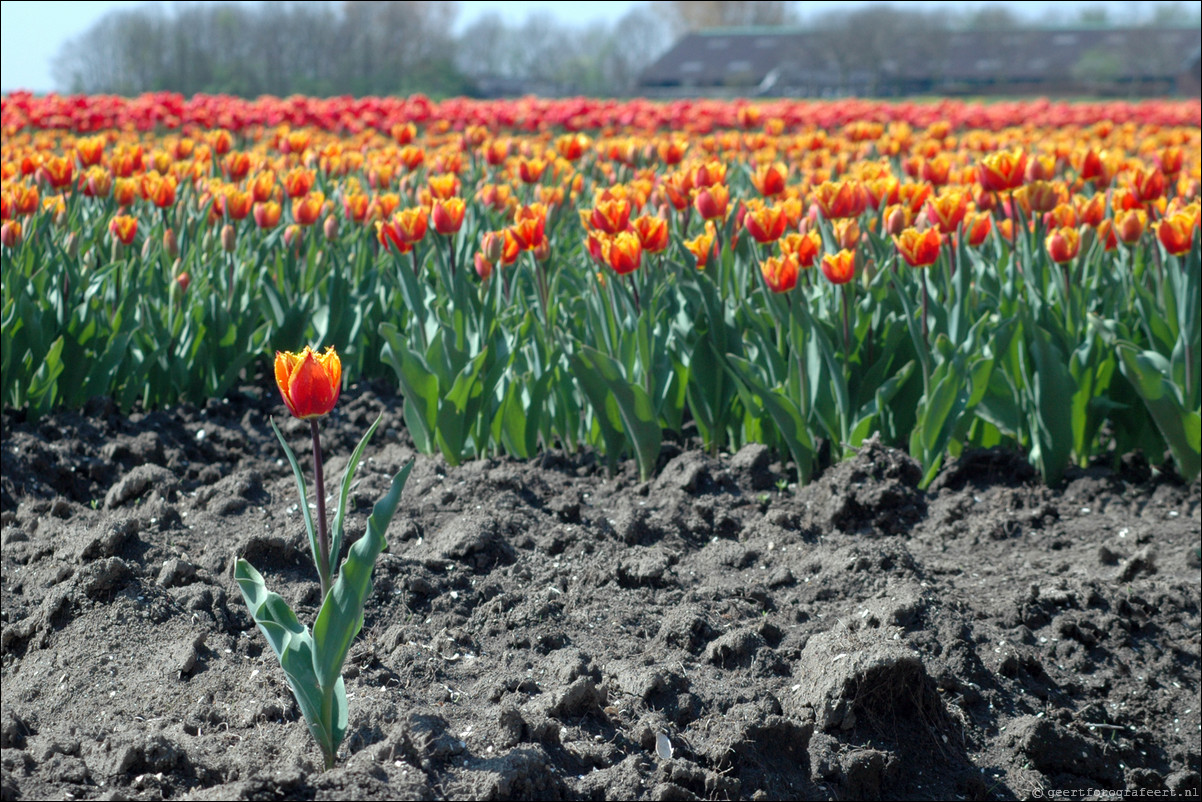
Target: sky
{"points": [[31, 33]]}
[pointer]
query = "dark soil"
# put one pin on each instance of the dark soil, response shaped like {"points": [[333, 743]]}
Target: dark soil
{"points": [[543, 631]]}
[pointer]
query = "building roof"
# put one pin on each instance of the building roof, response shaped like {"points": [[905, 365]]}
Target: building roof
{"points": [[766, 57]]}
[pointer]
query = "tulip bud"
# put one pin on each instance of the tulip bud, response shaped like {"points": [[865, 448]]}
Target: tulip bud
{"points": [[483, 266], [171, 243], [10, 234], [229, 238], [330, 228], [72, 245], [293, 235], [493, 246], [542, 251], [60, 219], [869, 272], [895, 221], [147, 249], [182, 281]]}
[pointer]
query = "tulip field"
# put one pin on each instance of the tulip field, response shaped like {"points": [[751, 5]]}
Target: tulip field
{"points": [[611, 276], [706, 450]]}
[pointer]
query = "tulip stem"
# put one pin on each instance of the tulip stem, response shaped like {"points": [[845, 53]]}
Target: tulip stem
{"points": [[323, 534]]}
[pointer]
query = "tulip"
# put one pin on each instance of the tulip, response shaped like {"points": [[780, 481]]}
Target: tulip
{"points": [[124, 228], [267, 214], [838, 200], [978, 225], [839, 268], [262, 186], [447, 215], [1063, 244], [711, 201], [182, 281], [125, 191], [1002, 171], [572, 146], [847, 233], [611, 215], [309, 382], [623, 252], [234, 203], [1146, 185], [10, 233], [1129, 225], [307, 210], [444, 186], [1176, 231], [330, 228], [919, 248], [804, 248], [483, 266], [780, 272], [98, 182], [298, 181], [652, 232], [765, 223], [702, 246], [769, 179], [1105, 232], [170, 243]]}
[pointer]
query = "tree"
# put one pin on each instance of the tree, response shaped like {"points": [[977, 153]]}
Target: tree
{"points": [[685, 16]]}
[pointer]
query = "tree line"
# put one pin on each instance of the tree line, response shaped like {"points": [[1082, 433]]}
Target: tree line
{"points": [[363, 47]]}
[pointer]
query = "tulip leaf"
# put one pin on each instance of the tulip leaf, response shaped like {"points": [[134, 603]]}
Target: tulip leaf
{"points": [[782, 409], [323, 707], [341, 614], [1148, 372], [344, 493]]}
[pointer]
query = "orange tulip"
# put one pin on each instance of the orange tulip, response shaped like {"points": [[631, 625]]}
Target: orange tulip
{"points": [[1176, 231], [1146, 185], [234, 203], [409, 225], [840, 199], [839, 268], [307, 210], [1129, 225], [847, 233], [780, 272], [98, 182], [623, 252], [262, 186], [702, 246], [711, 201], [444, 186], [124, 228], [447, 215], [1002, 171], [978, 225], [58, 171], [1063, 244], [769, 179], [236, 165], [298, 181], [267, 214], [611, 215], [309, 382], [90, 150], [529, 226], [10, 233], [652, 232], [802, 247], [919, 248], [765, 223], [355, 205], [572, 146]]}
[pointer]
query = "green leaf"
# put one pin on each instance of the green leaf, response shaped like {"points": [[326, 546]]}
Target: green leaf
{"points": [[1148, 372], [295, 650], [347, 480], [341, 614], [634, 407], [783, 410]]}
